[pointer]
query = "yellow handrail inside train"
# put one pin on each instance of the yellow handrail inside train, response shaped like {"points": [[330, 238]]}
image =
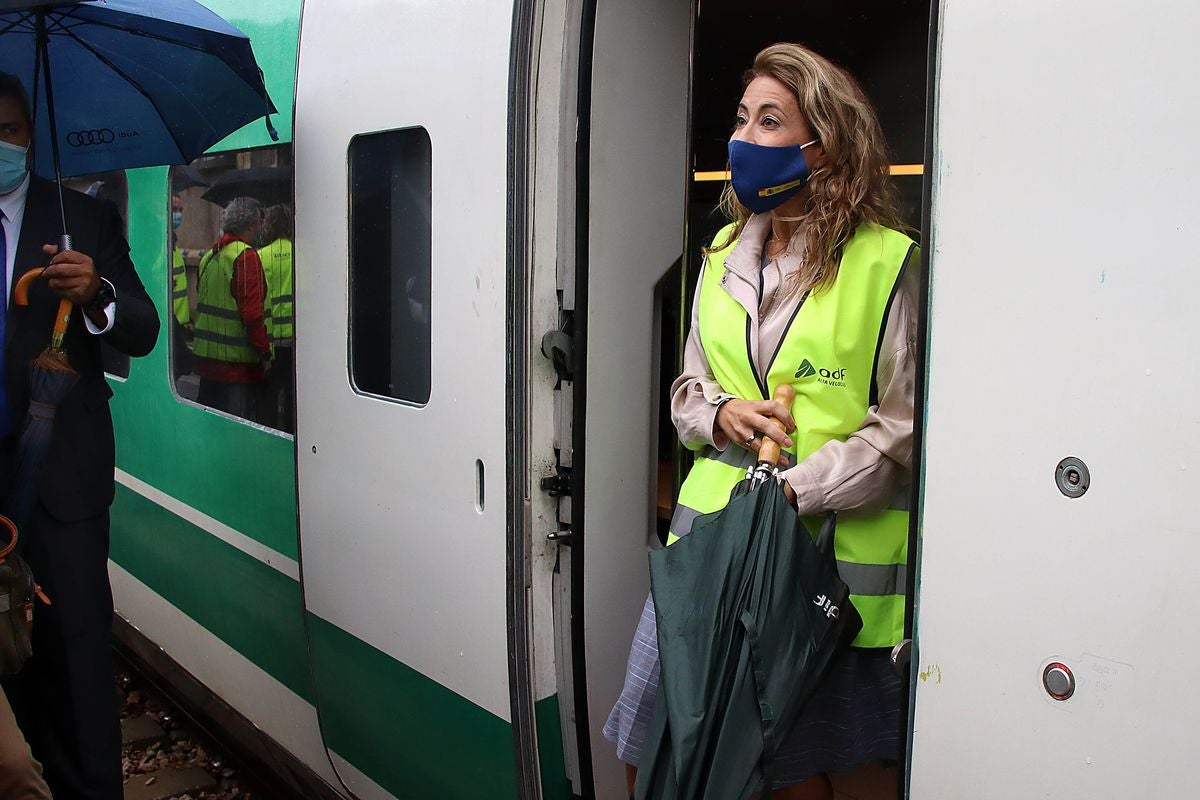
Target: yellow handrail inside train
{"points": [[894, 169]]}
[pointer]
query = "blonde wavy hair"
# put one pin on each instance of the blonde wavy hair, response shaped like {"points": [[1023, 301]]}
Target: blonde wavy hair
{"points": [[852, 186]]}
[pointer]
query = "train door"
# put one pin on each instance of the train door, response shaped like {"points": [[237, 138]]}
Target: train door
{"points": [[1058, 598], [401, 132], [636, 154]]}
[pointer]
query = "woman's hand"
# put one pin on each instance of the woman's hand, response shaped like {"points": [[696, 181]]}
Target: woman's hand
{"points": [[746, 421]]}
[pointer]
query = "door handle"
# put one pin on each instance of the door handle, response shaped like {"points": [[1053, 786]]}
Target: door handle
{"points": [[902, 656]]}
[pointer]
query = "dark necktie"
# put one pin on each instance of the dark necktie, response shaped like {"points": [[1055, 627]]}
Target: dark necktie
{"points": [[4, 421]]}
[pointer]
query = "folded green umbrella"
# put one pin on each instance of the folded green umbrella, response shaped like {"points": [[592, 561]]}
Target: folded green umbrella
{"points": [[750, 613]]}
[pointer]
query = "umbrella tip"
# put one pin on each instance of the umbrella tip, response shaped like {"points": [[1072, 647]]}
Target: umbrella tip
{"points": [[274, 134]]}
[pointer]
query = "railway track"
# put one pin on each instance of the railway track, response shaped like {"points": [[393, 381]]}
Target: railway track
{"points": [[165, 756]]}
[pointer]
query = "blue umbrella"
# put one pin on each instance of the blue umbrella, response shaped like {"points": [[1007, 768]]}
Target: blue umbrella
{"points": [[19, 5], [131, 83]]}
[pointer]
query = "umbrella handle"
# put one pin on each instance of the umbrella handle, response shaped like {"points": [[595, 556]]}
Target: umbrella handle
{"points": [[60, 323], [21, 298], [768, 449]]}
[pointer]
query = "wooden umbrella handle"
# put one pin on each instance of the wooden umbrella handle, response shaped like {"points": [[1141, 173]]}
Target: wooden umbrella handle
{"points": [[20, 295], [62, 318], [768, 449], [60, 323]]}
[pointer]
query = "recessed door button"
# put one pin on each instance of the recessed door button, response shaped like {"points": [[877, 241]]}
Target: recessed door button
{"points": [[1059, 681], [1072, 477]]}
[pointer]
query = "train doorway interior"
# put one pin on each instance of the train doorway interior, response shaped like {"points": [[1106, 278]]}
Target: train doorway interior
{"points": [[656, 162]]}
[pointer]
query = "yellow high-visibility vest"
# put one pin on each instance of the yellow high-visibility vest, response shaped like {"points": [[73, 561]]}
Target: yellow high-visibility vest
{"points": [[219, 333], [828, 355], [277, 267]]}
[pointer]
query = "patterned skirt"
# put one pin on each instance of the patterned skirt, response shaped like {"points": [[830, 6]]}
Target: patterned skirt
{"points": [[854, 718]]}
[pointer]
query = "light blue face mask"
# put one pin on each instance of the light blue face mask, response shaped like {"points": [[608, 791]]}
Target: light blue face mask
{"points": [[176, 220], [12, 166]]}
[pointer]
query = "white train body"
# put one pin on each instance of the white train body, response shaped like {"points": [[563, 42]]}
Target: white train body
{"points": [[405, 609]]}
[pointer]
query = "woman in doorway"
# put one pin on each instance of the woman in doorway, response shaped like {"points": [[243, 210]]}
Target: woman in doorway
{"points": [[811, 284]]}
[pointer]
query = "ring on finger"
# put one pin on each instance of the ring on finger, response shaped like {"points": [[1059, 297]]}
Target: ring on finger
{"points": [[751, 441]]}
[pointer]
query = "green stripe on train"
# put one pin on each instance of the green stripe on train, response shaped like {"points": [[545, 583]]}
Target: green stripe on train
{"points": [[250, 606], [555, 785], [403, 729]]}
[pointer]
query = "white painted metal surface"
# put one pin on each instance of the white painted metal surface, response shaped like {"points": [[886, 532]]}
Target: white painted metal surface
{"points": [[1063, 324], [638, 180], [387, 491]]}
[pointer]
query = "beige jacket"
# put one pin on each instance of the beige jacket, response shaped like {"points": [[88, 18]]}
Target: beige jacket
{"points": [[873, 465]]}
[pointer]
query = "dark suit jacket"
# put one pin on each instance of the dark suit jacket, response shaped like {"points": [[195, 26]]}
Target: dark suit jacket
{"points": [[77, 480]]}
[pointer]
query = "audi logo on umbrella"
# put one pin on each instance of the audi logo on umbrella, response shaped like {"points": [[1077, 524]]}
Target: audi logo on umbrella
{"points": [[89, 138]]}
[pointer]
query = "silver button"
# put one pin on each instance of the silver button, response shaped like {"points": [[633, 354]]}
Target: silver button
{"points": [[1059, 681]]}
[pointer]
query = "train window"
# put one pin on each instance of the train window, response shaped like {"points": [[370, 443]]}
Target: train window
{"points": [[390, 267], [229, 284], [113, 187]]}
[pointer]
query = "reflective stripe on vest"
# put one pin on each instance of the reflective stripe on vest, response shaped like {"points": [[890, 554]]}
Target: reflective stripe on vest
{"points": [[219, 333], [277, 267], [828, 355], [179, 294]]}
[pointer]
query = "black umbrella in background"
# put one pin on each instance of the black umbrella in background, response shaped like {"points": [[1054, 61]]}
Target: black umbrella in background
{"points": [[185, 177], [750, 613], [268, 185]]}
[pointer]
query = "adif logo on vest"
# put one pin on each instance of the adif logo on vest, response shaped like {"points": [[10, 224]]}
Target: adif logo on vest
{"points": [[826, 604], [830, 377]]}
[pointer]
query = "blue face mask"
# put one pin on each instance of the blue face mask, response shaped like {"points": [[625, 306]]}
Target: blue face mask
{"points": [[176, 220], [764, 177], [12, 166]]}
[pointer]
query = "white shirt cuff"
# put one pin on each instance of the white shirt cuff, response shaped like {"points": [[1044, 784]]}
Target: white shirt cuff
{"points": [[110, 313]]}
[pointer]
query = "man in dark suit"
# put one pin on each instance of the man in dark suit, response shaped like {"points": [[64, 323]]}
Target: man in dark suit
{"points": [[64, 698]]}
